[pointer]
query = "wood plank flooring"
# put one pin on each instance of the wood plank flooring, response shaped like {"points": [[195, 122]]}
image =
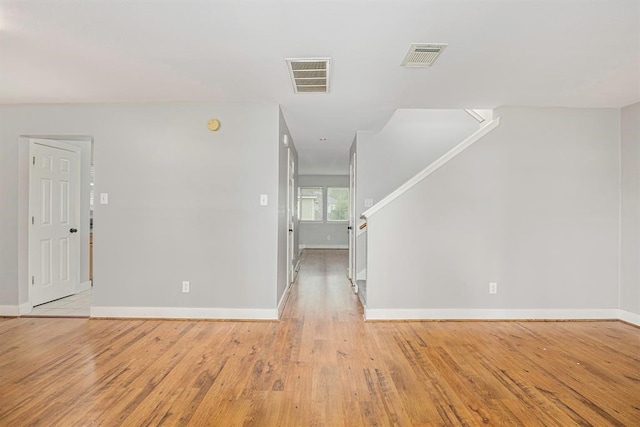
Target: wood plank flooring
{"points": [[321, 365]]}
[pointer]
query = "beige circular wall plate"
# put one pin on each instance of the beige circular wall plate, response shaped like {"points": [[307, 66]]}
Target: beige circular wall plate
{"points": [[213, 125]]}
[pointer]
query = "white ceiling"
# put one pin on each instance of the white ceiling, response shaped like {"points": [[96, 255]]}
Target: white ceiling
{"points": [[540, 53]]}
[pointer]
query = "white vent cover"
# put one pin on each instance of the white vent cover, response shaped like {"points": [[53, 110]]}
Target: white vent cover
{"points": [[423, 54], [309, 75]]}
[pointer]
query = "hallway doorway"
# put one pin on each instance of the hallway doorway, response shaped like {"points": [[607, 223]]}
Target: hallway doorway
{"points": [[57, 225]]}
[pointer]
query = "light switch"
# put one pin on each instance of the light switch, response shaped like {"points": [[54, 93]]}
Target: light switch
{"points": [[104, 198], [368, 203], [264, 200]]}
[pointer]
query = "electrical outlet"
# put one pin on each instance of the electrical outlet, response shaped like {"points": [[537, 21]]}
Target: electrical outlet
{"points": [[185, 286], [493, 288]]}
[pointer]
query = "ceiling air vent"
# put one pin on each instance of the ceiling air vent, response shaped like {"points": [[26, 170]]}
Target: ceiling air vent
{"points": [[309, 75], [423, 54]]}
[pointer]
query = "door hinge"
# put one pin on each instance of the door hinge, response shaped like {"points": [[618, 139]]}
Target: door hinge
{"points": [[33, 220], [33, 280], [34, 160]]}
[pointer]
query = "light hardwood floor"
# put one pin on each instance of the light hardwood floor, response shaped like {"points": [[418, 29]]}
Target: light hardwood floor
{"points": [[321, 365]]}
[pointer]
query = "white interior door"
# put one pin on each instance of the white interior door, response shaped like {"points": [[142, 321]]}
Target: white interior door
{"points": [[352, 219], [54, 209], [291, 214]]}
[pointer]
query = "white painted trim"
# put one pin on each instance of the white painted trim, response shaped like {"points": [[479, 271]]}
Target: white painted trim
{"points": [[369, 314], [283, 300], [296, 270], [324, 246], [84, 286], [629, 317], [475, 115], [185, 313], [9, 310], [437, 164], [491, 314], [25, 308]]}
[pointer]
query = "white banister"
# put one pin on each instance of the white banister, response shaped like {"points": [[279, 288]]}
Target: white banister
{"points": [[466, 143]]}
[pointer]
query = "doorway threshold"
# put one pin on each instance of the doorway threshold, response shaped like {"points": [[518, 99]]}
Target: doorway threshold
{"points": [[76, 305]]}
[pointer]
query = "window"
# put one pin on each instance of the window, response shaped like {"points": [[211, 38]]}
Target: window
{"points": [[310, 204], [337, 204]]}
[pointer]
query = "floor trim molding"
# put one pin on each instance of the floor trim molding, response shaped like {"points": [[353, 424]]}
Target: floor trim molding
{"points": [[283, 300], [9, 311], [629, 317], [324, 246], [369, 314], [493, 314], [185, 313]]}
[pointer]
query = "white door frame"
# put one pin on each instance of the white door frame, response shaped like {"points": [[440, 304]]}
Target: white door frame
{"points": [[352, 220], [291, 214]]}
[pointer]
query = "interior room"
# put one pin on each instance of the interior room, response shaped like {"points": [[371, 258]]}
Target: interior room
{"points": [[320, 212]]}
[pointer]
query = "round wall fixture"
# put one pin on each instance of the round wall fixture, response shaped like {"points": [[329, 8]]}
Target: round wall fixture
{"points": [[213, 125]]}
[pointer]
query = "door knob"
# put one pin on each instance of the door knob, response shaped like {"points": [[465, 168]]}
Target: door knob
{"points": [[73, 230]]}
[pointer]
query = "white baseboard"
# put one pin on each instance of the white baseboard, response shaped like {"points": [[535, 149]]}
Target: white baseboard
{"points": [[84, 286], [283, 300], [16, 310], [296, 270], [491, 314], [629, 317], [324, 246], [185, 313], [9, 310]]}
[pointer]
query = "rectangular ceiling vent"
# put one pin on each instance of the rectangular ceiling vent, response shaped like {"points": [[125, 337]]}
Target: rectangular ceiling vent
{"points": [[309, 75], [423, 54]]}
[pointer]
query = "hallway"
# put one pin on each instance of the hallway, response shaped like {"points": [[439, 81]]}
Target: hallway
{"points": [[320, 365]]}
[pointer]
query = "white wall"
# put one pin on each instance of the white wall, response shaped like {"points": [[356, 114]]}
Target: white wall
{"points": [[8, 218], [630, 218], [314, 234], [409, 142], [184, 205], [533, 206]]}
